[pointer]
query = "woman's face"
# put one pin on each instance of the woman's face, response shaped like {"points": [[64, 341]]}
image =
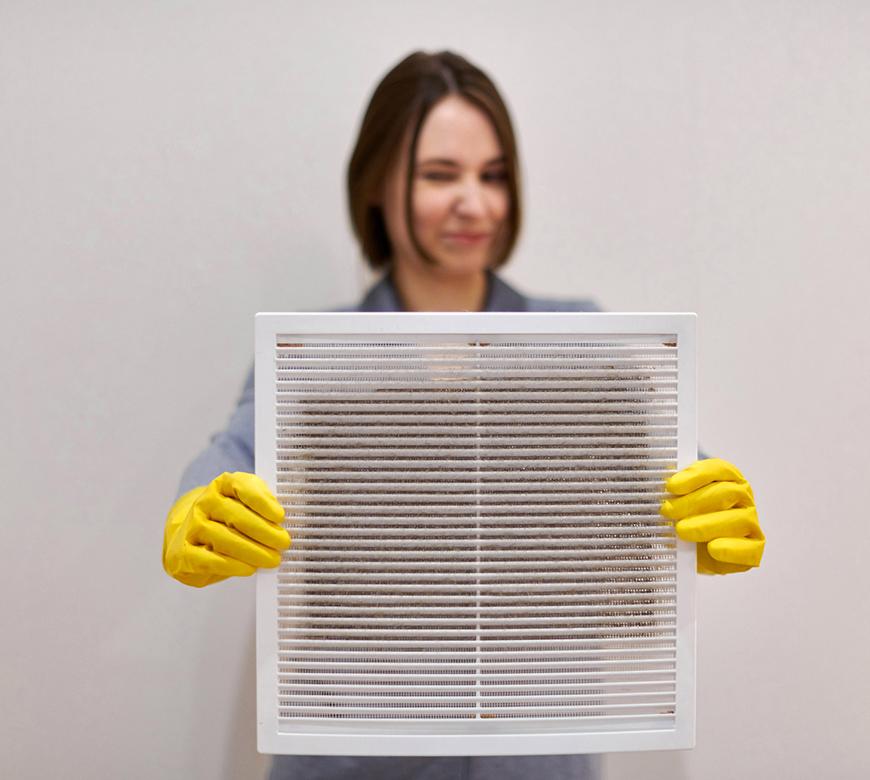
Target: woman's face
{"points": [[460, 198]]}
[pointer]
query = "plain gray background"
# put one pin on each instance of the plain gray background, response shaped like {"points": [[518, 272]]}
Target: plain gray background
{"points": [[168, 169]]}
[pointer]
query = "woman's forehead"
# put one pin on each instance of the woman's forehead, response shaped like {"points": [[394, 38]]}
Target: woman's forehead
{"points": [[456, 129]]}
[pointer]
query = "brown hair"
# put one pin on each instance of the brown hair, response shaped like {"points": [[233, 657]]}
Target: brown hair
{"points": [[402, 100]]}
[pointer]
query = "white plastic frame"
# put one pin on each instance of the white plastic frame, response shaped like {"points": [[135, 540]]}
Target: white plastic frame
{"points": [[316, 737]]}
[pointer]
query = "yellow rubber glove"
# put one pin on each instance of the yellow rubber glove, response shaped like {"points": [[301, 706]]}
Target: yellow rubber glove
{"points": [[230, 527], [713, 505]]}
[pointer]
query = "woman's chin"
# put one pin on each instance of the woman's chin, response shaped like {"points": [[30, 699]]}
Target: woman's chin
{"points": [[464, 264]]}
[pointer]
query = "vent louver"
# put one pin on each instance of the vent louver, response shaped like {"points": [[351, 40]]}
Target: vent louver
{"points": [[478, 562]]}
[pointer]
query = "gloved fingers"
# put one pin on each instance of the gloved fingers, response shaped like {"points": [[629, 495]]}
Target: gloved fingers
{"points": [[234, 514], [235, 545], [746, 552], [201, 560], [731, 522], [253, 492], [709, 565], [700, 473], [715, 497]]}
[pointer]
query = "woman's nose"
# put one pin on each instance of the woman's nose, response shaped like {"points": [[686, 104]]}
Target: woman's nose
{"points": [[471, 200]]}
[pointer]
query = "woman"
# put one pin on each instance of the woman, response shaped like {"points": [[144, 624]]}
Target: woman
{"points": [[434, 195]]}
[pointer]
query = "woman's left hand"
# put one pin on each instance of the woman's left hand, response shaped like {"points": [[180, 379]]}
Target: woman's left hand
{"points": [[712, 504]]}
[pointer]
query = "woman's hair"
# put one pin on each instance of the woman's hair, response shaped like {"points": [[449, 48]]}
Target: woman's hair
{"points": [[402, 100]]}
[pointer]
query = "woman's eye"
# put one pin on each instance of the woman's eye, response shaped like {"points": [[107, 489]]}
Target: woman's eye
{"points": [[495, 176], [437, 176]]}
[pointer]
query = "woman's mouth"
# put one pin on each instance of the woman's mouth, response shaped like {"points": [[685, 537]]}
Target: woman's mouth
{"points": [[467, 238]]}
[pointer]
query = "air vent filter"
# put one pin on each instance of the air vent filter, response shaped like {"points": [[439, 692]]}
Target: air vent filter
{"points": [[478, 562]]}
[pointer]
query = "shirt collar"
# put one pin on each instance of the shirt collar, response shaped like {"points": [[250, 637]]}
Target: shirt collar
{"points": [[500, 296]]}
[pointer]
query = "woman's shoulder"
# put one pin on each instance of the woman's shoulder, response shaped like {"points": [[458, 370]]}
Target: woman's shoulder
{"points": [[504, 297]]}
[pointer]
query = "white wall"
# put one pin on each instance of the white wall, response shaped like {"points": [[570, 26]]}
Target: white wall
{"points": [[168, 169]]}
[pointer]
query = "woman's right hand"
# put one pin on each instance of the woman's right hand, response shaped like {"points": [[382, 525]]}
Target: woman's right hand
{"points": [[231, 527]]}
